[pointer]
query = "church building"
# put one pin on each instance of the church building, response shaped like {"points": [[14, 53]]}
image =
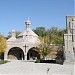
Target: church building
{"points": [[23, 47]]}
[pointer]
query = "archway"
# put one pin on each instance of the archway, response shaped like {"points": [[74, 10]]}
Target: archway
{"points": [[16, 53], [33, 54]]}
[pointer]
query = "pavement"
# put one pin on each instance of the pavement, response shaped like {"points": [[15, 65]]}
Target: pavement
{"points": [[20, 67]]}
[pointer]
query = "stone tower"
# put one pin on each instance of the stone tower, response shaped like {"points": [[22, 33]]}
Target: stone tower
{"points": [[69, 39]]}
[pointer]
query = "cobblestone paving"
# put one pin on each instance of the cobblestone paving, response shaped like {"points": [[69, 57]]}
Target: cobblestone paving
{"points": [[31, 68]]}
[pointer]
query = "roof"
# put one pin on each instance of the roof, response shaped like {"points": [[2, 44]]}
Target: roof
{"points": [[12, 39], [34, 40], [28, 31]]}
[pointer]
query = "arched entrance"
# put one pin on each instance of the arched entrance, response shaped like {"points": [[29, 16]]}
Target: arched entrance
{"points": [[16, 53], [33, 54]]}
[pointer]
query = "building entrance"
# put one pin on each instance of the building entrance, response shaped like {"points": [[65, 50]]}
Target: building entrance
{"points": [[33, 54], [16, 53]]}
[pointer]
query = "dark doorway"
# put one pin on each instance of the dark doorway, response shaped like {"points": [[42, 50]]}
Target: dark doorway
{"points": [[33, 54], [16, 53], [2, 56]]}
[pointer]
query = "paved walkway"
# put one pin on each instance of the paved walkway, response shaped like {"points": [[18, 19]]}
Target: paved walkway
{"points": [[31, 68]]}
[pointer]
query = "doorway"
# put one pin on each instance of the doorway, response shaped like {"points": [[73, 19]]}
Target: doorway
{"points": [[16, 53]]}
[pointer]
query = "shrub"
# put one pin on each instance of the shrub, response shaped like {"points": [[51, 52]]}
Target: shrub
{"points": [[3, 61], [59, 62], [37, 61]]}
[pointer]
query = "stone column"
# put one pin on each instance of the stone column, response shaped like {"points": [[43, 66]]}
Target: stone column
{"points": [[25, 56], [5, 55], [66, 46]]}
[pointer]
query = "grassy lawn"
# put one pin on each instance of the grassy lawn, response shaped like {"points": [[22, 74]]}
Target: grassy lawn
{"points": [[3, 61]]}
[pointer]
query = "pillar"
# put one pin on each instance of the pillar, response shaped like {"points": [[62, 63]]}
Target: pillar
{"points": [[25, 56], [5, 55]]}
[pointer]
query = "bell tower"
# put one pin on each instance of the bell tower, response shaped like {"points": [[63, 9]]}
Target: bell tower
{"points": [[28, 23]]}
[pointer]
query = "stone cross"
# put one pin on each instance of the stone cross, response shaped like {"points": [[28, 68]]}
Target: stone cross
{"points": [[25, 47]]}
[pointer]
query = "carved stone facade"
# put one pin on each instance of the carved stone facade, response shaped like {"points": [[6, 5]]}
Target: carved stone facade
{"points": [[19, 47], [69, 39]]}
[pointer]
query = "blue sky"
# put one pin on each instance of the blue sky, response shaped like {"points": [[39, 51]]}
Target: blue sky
{"points": [[47, 13]]}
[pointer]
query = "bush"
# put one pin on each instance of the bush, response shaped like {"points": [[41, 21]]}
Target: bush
{"points": [[37, 61], [59, 62], [3, 61]]}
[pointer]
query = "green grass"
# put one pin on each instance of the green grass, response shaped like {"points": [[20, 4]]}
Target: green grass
{"points": [[3, 61]]}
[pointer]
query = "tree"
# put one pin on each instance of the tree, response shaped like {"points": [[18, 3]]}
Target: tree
{"points": [[40, 31], [53, 32], [43, 34], [3, 44], [54, 35]]}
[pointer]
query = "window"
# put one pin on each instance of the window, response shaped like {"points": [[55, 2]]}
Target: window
{"points": [[70, 27]]}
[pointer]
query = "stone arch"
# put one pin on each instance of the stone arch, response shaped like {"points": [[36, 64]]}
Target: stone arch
{"points": [[32, 54], [15, 53]]}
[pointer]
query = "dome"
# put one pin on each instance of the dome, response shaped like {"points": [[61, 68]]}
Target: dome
{"points": [[28, 22]]}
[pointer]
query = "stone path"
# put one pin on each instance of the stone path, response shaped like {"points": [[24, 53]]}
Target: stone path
{"points": [[31, 68]]}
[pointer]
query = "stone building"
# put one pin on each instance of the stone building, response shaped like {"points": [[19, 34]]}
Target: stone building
{"points": [[22, 47], [69, 39]]}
